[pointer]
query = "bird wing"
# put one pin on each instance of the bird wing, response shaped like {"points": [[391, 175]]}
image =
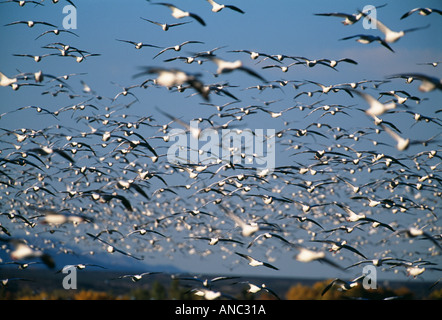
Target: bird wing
{"points": [[335, 14], [432, 239], [353, 250], [354, 36], [330, 285], [331, 263], [314, 222], [46, 23], [280, 238], [234, 8], [162, 51], [253, 73], [222, 278], [232, 240], [272, 292], [154, 22], [200, 88], [348, 60], [268, 265], [254, 240], [417, 28], [249, 258], [197, 18], [358, 263], [409, 13], [179, 23]]}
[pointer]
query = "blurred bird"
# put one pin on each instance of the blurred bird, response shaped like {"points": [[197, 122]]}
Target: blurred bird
{"points": [[229, 66], [391, 36], [428, 84], [177, 13], [23, 251], [401, 143], [5, 81], [175, 77], [376, 108]]}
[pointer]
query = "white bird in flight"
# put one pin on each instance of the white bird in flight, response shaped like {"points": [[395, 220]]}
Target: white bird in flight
{"points": [[5, 81], [376, 108], [391, 36], [166, 26], [421, 11], [229, 66], [401, 143], [216, 7], [256, 263], [177, 13]]}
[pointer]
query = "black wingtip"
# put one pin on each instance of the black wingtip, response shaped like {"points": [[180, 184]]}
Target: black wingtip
{"points": [[197, 18]]}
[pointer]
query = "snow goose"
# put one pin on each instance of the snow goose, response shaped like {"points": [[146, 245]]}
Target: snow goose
{"points": [[307, 255], [5, 81], [391, 36], [248, 229], [337, 246], [343, 285], [268, 235], [421, 11], [215, 240], [256, 263], [413, 232], [401, 143], [22, 3], [37, 58], [428, 84], [376, 108], [138, 45], [166, 26], [23, 251], [283, 68], [349, 18], [136, 277], [176, 47], [366, 38], [31, 23], [229, 66], [216, 7], [253, 288], [56, 32], [207, 283], [177, 13], [175, 77]]}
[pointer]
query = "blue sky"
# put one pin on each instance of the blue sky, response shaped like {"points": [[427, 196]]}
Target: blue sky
{"points": [[281, 27]]}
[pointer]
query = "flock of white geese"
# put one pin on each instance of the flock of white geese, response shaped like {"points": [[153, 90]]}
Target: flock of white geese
{"points": [[97, 180]]}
